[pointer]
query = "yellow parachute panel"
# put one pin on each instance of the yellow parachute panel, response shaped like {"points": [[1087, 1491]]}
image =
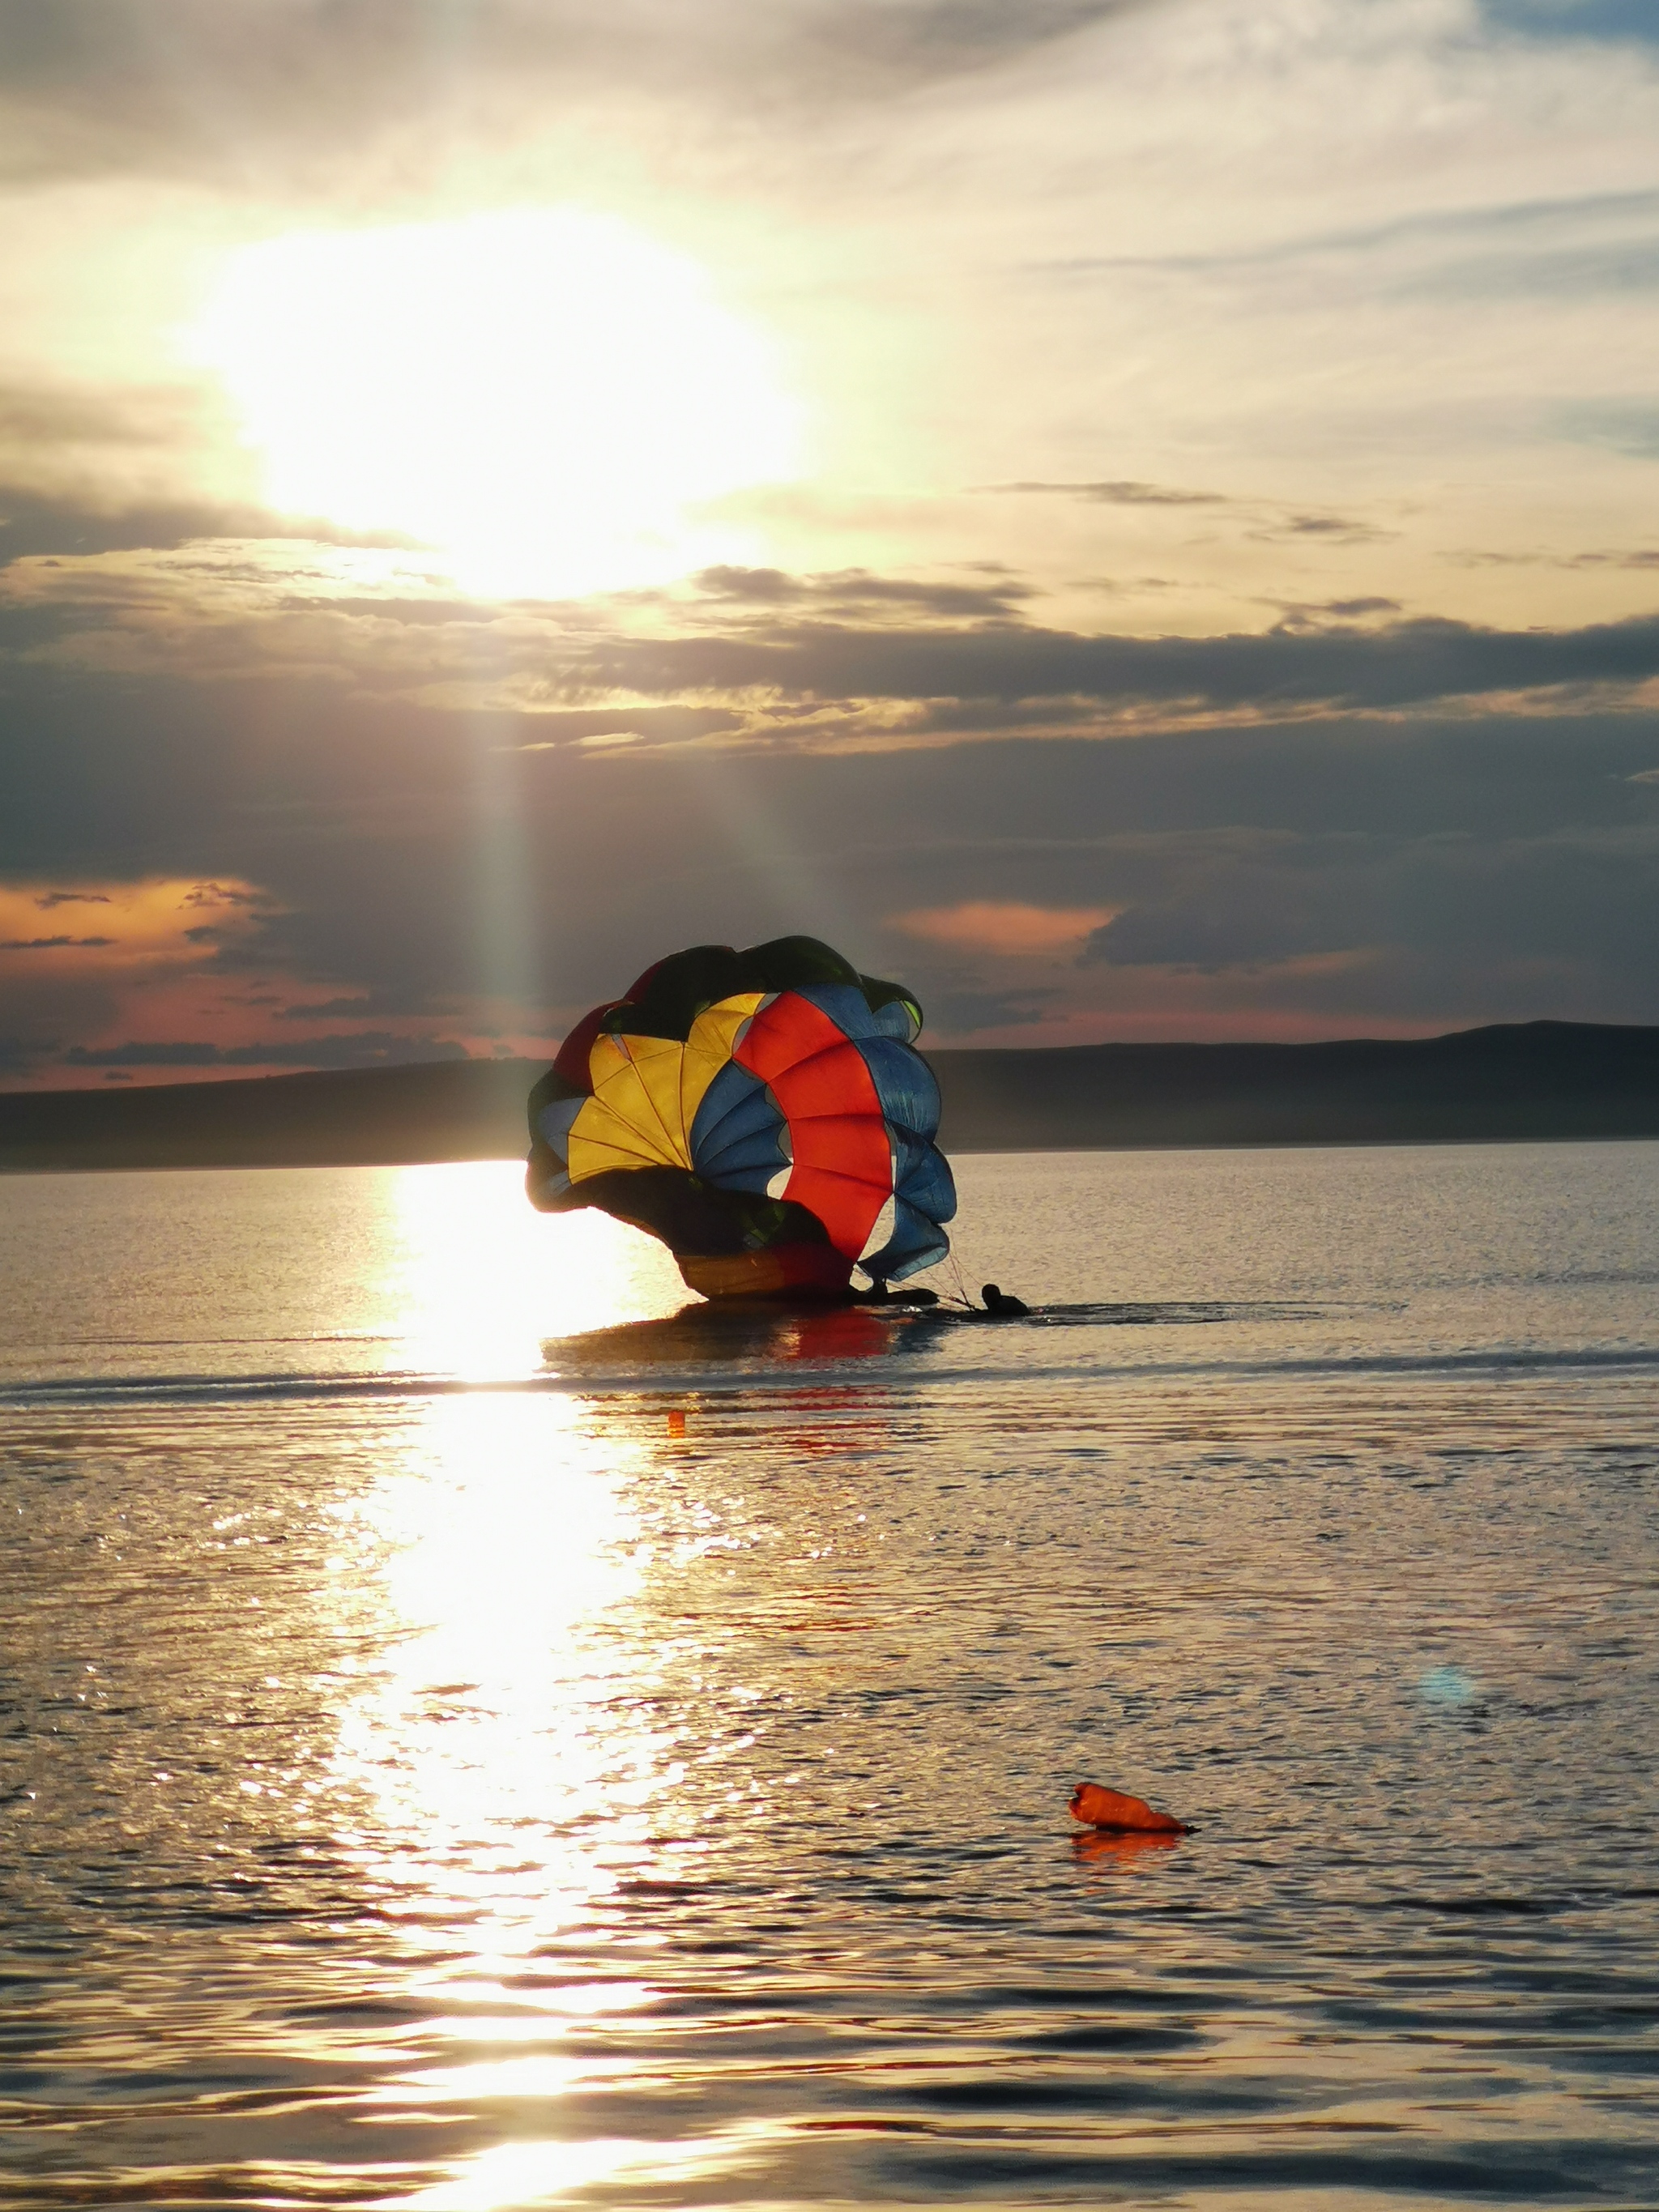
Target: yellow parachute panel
{"points": [[647, 1092], [635, 1109]]}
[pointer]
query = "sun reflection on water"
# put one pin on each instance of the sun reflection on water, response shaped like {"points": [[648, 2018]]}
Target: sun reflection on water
{"points": [[541, 2173], [502, 1749], [500, 1736], [479, 1279], [513, 1755]]}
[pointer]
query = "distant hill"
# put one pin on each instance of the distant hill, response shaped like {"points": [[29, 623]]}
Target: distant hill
{"points": [[1531, 1080], [1534, 1079]]}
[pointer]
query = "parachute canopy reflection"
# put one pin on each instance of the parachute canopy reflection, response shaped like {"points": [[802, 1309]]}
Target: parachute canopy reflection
{"points": [[764, 1113]]}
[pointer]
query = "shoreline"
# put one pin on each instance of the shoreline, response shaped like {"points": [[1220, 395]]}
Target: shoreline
{"points": [[1540, 1082]]}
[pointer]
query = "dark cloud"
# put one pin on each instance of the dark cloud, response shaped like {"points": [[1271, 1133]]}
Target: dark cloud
{"points": [[37, 524], [47, 944], [789, 672], [1402, 663], [1269, 524], [423, 866], [1637, 557], [1314, 614], [214, 894], [1243, 900], [1338, 529], [961, 1009], [367, 1048], [856, 590], [177, 86], [1123, 492]]}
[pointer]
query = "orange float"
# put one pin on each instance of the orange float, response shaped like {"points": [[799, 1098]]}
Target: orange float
{"points": [[1096, 1807]]}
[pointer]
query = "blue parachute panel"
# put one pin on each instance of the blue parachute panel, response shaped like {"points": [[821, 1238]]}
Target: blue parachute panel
{"points": [[916, 1242], [736, 1105], [895, 1019], [852, 1012], [738, 1134], [750, 1165], [921, 1176], [904, 1084], [849, 1010], [552, 1124]]}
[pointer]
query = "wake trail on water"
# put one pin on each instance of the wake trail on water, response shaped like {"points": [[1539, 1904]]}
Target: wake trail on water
{"points": [[900, 1367]]}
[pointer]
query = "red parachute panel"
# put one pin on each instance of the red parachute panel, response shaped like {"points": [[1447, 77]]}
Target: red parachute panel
{"points": [[843, 1168], [572, 1063]]}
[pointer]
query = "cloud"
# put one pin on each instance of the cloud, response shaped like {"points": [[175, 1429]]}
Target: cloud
{"points": [[1314, 613], [1407, 663], [1633, 558], [790, 671], [364, 1049], [35, 524], [855, 591], [83, 473], [1123, 492], [48, 944], [1003, 925], [1246, 903], [963, 1010], [1271, 523], [1340, 529], [182, 86], [1321, 873]]}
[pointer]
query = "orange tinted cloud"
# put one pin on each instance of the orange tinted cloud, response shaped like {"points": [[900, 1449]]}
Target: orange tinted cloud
{"points": [[1005, 927], [81, 930]]}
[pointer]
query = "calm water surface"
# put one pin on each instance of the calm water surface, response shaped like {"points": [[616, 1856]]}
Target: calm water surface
{"points": [[428, 1779]]}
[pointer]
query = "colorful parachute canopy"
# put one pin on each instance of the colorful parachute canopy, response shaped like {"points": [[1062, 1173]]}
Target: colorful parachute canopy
{"points": [[764, 1113]]}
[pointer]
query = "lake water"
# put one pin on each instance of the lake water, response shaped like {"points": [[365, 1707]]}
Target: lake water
{"points": [[469, 1740]]}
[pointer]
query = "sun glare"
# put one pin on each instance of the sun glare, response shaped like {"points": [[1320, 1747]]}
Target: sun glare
{"points": [[545, 396], [480, 1281]]}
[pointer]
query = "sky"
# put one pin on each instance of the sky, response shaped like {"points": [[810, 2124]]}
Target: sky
{"points": [[1137, 518]]}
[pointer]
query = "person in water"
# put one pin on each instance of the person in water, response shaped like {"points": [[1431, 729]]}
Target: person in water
{"points": [[1001, 1306]]}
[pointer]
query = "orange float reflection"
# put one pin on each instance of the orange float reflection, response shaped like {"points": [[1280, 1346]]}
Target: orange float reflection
{"points": [[1121, 1848]]}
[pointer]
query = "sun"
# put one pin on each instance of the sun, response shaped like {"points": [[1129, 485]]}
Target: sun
{"points": [[545, 396]]}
